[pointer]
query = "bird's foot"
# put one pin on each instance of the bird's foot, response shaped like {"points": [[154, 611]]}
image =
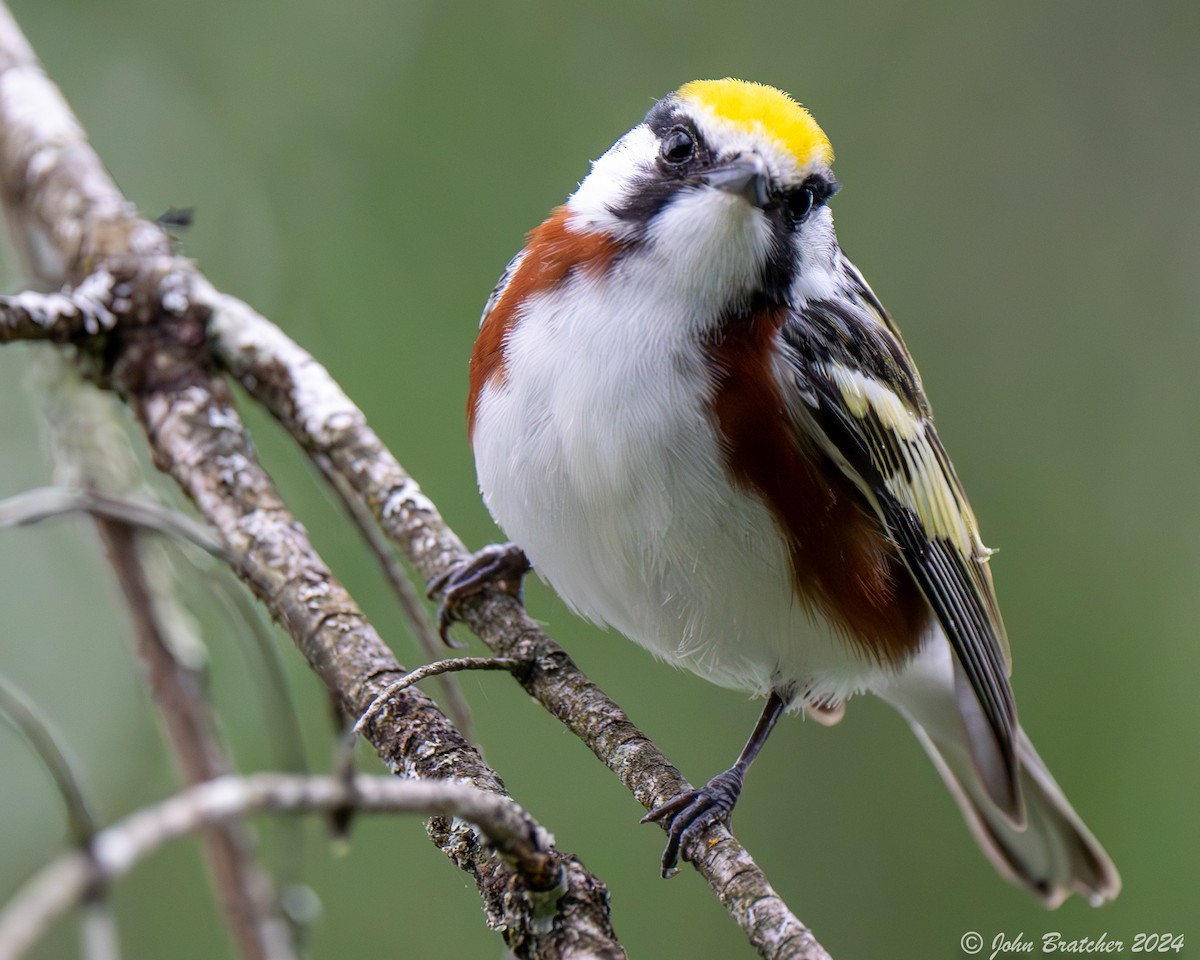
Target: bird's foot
{"points": [[688, 815], [500, 565]]}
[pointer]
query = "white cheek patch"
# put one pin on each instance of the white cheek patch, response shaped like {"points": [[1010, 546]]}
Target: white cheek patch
{"points": [[816, 251], [610, 182], [706, 246]]}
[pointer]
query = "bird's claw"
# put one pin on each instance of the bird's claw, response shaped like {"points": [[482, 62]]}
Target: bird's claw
{"points": [[688, 815], [499, 565]]}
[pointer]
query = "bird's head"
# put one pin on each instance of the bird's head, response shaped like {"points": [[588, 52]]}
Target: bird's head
{"points": [[725, 180]]}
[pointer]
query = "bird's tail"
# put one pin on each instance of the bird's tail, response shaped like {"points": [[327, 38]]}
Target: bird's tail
{"points": [[1049, 851]]}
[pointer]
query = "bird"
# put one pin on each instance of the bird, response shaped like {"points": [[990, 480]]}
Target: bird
{"points": [[696, 421]]}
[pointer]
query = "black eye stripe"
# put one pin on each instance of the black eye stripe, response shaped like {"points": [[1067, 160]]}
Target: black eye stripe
{"points": [[674, 168]]}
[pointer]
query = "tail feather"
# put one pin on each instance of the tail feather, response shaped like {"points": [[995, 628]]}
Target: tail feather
{"points": [[1054, 854], [1037, 842]]}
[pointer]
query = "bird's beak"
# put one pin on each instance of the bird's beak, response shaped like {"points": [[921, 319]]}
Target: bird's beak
{"points": [[746, 177]]}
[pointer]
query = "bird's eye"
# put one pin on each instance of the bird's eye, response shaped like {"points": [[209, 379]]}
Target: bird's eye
{"points": [[800, 203], [678, 147]]}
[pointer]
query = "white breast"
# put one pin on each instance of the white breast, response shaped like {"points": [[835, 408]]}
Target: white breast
{"points": [[598, 454]]}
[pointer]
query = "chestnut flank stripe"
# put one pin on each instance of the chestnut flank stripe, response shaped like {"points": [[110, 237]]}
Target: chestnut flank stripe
{"points": [[843, 563]]}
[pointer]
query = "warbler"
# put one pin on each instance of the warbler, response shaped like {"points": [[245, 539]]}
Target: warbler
{"points": [[696, 419]]}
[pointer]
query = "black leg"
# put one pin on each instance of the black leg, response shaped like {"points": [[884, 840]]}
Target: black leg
{"points": [[686, 816], [500, 565]]}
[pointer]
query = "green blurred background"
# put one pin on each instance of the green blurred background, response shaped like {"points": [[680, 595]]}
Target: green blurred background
{"points": [[1021, 190]]}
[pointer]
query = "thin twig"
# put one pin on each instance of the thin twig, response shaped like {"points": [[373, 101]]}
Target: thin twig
{"points": [[408, 597], [279, 711], [437, 668], [244, 891], [24, 716], [43, 503], [116, 850], [98, 931]]}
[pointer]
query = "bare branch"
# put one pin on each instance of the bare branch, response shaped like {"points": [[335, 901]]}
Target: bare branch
{"points": [[116, 850], [34, 506], [91, 449], [68, 211], [245, 892], [98, 931], [302, 395], [25, 717], [198, 438]]}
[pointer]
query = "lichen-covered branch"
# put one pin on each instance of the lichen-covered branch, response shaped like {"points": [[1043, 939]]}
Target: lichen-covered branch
{"points": [[196, 436], [91, 455], [60, 317], [419, 622], [68, 216]]}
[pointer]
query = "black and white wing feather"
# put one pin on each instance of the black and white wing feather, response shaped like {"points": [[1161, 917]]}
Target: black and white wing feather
{"points": [[854, 390]]}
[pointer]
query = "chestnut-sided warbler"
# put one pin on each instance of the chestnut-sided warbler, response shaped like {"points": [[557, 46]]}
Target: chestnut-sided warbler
{"points": [[694, 416]]}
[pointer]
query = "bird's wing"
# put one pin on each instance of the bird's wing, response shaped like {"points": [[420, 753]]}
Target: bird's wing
{"points": [[500, 287], [853, 392]]}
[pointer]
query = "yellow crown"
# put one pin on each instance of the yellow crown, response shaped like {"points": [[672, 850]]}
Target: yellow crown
{"points": [[757, 107]]}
